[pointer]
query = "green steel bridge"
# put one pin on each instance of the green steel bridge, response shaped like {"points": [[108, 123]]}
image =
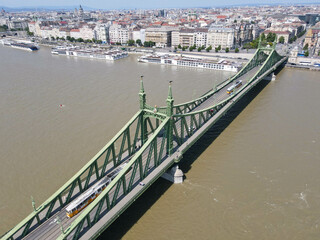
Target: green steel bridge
{"points": [[152, 141]]}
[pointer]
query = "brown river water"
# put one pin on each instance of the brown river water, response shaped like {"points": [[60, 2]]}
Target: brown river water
{"points": [[254, 175]]}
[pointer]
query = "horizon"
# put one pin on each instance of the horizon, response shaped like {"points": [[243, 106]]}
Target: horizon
{"points": [[165, 4]]}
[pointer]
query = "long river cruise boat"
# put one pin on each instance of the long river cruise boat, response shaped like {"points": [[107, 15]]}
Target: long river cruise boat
{"points": [[222, 64], [96, 53], [19, 45]]}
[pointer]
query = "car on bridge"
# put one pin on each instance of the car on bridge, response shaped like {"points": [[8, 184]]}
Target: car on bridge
{"points": [[238, 83]]}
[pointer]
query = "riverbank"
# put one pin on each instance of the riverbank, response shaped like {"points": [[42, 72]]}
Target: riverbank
{"points": [[312, 68]]}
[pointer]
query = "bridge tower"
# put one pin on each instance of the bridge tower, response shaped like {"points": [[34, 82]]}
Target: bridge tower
{"points": [[142, 96], [170, 102]]}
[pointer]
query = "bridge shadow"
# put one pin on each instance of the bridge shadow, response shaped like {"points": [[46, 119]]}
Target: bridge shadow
{"points": [[214, 132], [127, 219], [137, 209]]}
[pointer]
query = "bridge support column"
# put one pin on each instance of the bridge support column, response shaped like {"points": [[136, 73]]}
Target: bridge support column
{"points": [[270, 77], [174, 174]]}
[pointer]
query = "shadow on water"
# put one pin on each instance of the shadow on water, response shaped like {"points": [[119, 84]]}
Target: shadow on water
{"points": [[137, 209], [127, 219], [214, 132]]}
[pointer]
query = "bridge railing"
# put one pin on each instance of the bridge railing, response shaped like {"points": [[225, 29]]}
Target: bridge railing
{"points": [[146, 159]]}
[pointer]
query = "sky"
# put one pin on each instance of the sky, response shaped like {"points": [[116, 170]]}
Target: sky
{"points": [[141, 4]]}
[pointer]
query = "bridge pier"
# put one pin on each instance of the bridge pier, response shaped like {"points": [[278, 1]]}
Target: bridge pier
{"points": [[270, 77], [174, 174]]}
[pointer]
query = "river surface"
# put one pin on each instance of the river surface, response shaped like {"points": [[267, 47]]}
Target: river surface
{"points": [[255, 175]]}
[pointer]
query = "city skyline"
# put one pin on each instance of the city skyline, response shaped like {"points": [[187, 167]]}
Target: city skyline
{"points": [[99, 4]]}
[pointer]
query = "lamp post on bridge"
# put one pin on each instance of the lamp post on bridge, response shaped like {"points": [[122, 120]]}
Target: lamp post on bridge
{"points": [[58, 221], [34, 208]]}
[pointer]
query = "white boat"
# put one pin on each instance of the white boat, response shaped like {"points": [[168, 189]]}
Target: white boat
{"points": [[24, 46], [94, 53], [191, 62]]}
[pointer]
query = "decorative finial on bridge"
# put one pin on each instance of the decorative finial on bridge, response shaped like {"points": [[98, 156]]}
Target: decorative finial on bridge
{"points": [[141, 85], [274, 42], [170, 91], [33, 204], [259, 44], [142, 94]]}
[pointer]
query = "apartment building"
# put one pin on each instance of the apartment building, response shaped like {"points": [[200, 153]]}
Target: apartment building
{"points": [[118, 34], [220, 36], [200, 37], [161, 36]]}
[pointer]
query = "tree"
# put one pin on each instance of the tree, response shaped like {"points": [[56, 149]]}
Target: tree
{"points": [[236, 50], [271, 37], [262, 36], [301, 33], [216, 49], [131, 42], [319, 53], [235, 21], [281, 39], [306, 47], [3, 28], [191, 48], [149, 44], [138, 42], [247, 45], [208, 49], [203, 47], [29, 33], [179, 46], [219, 47], [306, 53], [199, 49], [227, 50], [52, 38]]}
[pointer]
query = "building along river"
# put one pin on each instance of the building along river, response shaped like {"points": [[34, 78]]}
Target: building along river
{"points": [[255, 175]]}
